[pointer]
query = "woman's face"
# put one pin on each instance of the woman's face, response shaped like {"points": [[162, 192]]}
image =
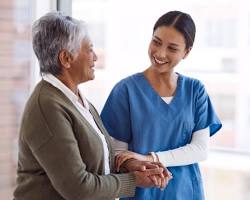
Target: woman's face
{"points": [[166, 49], [82, 66]]}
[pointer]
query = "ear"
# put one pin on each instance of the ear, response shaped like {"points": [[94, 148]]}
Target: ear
{"points": [[187, 52], [65, 58]]}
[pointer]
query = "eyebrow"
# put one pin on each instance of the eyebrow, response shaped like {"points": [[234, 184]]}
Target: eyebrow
{"points": [[157, 37], [173, 44]]}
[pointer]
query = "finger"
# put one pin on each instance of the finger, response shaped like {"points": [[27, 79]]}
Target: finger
{"points": [[142, 168], [116, 167], [116, 163], [118, 160], [154, 180], [159, 178], [155, 171], [122, 155], [165, 172], [160, 165], [150, 165], [163, 183], [168, 174], [160, 181], [122, 159]]}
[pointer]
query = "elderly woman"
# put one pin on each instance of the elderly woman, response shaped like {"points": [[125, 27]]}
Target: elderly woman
{"points": [[64, 149]]}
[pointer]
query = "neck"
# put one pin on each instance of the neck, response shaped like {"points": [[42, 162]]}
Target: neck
{"points": [[164, 83], [69, 82], [167, 78]]}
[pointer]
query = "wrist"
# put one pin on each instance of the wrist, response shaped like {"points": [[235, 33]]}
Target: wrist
{"points": [[149, 158], [125, 167], [154, 157]]}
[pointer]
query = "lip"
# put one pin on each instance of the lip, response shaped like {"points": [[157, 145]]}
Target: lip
{"points": [[159, 62]]}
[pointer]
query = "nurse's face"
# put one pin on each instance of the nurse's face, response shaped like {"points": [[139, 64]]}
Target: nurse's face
{"points": [[166, 49]]}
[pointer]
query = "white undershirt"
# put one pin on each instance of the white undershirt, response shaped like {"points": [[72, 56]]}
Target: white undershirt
{"points": [[84, 110], [195, 151]]}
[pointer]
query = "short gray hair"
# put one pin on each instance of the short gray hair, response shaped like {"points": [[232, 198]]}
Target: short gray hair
{"points": [[52, 33]]}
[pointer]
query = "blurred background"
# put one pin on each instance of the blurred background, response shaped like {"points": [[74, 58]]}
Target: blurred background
{"points": [[121, 31]]}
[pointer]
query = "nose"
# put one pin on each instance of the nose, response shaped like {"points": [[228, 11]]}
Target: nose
{"points": [[161, 53], [95, 57]]}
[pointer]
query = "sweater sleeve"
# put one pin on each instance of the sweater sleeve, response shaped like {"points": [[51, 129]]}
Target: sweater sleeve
{"points": [[56, 149]]}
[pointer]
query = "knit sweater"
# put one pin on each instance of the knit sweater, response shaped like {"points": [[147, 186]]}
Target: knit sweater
{"points": [[61, 155]]}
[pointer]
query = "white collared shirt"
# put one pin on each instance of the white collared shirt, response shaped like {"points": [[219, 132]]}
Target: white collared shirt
{"points": [[84, 110]]}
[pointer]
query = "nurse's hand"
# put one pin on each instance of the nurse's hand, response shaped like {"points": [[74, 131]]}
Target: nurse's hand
{"points": [[131, 165], [159, 180], [145, 178], [126, 155]]}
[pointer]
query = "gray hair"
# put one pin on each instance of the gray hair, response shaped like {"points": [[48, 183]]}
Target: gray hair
{"points": [[52, 33]]}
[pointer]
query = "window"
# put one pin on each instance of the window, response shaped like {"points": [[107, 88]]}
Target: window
{"points": [[17, 71]]}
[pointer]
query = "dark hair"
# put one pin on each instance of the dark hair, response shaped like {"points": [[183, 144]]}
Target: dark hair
{"points": [[182, 22]]}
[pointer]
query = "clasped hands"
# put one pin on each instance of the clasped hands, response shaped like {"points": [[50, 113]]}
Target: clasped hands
{"points": [[148, 174]]}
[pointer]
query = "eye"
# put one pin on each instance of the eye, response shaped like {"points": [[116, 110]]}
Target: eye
{"points": [[172, 49], [156, 42], [91, 49]]}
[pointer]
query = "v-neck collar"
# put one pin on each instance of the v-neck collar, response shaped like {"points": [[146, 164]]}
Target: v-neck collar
{"points": [[148, 87]]}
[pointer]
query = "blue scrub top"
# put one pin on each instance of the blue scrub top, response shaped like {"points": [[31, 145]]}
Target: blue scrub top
{"points": [[136, 114]]}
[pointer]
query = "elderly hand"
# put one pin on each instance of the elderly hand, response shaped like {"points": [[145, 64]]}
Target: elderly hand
{"points": [[155, 179], [162, 180], [144, 178], [126, 155]]}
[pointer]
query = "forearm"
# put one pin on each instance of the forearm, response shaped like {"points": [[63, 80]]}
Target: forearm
{"points": [[191, 153], [118, 146]]}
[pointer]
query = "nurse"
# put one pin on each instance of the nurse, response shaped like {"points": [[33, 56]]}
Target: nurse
{"points": [[162, 115]]}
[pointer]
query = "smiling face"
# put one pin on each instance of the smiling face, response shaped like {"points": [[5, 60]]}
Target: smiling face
{"points": [[166, 49], [83, 62]]}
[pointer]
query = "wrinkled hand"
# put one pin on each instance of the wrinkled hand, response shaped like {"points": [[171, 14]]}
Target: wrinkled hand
{"points": [[162, 180], [126, 155], [157, 180], [136, 165], [144, 178]]}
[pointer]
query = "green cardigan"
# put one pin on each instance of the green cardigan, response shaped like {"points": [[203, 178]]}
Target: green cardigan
{"points": [[60, 154]]}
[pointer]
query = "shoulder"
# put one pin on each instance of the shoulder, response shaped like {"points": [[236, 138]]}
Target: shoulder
{"points": [[48, 95], [189, 79], [126, 84], [33, 117], [191, 82], [39, 93], [46, 110], [45, 100]]}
